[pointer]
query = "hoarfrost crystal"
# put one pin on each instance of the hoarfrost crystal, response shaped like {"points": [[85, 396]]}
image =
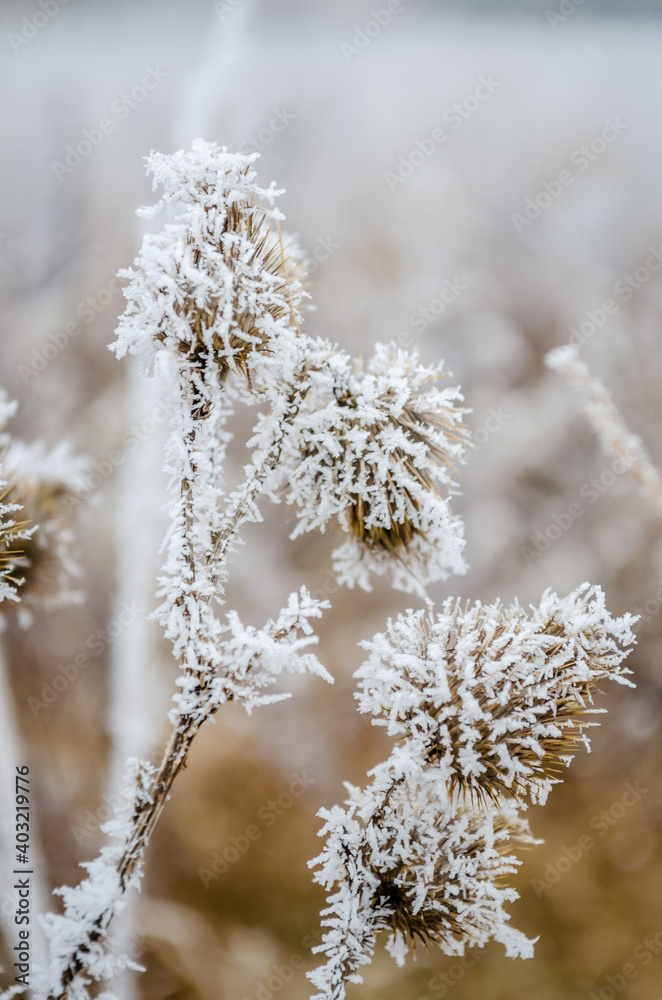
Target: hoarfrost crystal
{"points": [[376, 448]]}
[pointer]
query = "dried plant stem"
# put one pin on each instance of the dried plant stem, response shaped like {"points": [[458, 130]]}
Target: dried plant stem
{"points": [[148, 808], [242, 501], [608, 423]]}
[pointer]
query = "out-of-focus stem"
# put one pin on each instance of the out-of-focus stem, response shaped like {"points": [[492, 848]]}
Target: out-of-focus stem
{"points": [[608, 423]]}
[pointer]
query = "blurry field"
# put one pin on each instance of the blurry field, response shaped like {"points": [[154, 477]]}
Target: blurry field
{"points": [[410, 237]]}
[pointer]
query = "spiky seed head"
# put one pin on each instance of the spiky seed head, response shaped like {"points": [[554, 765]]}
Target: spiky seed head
{"points": [[43, 482], [500, 696], [15, 537], [378, 450], [218, 287], [448, 914]]}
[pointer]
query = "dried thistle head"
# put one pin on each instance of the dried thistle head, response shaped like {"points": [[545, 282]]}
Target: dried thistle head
{"points": [[441, 889], [378, 446], [44, 570], [218, 286], [404, 858], [398, 528], [15, 529], [501, 697], [250, 318], [15, 537]]}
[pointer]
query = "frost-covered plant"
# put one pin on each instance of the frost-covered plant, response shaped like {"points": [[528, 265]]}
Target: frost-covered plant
{"points": [[499, 696], [13, 533], [45, 481], [488, 701], [487, 704], [404, 859], [608, 423], [376, 448], [213, 311], [36, 572], [38, 565]]}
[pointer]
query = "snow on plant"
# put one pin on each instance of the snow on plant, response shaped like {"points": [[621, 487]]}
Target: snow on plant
{"points": [[213, 310], [404, 859], [488, 701]]}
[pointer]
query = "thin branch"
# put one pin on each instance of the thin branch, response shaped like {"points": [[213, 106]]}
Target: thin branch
{"points": [[608, 423]]}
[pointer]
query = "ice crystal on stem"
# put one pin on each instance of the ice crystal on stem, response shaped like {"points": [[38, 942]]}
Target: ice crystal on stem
{"points": [[80, 947], [213, 306], [607, 422]]}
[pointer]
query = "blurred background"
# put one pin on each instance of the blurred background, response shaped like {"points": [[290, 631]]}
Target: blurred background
{"points": [[467, 248]]}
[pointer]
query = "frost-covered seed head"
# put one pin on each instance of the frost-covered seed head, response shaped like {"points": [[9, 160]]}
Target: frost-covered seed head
{"points": [[218, 285], [403, 858], [379, 444], [501, 696], [447, 915], [248, 224], [43, 483], [15, 535]]}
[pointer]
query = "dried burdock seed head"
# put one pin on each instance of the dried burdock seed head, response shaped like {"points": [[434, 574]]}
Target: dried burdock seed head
{"points": [[43, 572], [405, 859], [441, 889], [15, 537], [15, 528], [218, 288], [499, 696], [378, 449]]}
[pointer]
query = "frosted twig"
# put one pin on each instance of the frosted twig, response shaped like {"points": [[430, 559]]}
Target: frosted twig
{"points": [[608, 423]]}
